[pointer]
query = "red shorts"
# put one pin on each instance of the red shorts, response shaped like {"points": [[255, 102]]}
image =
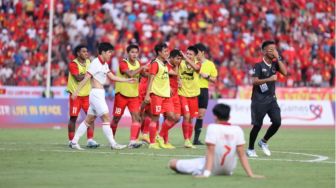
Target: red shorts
{"points": [[120, 103], [77, 104], [176, 103], [159, 104], [189, 105]]}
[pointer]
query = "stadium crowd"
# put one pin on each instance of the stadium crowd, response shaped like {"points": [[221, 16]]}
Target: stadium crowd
{"points": [[234, 30]]}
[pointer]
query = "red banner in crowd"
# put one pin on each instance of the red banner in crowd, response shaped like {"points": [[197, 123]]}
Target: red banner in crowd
{"points": [[303, 93]]}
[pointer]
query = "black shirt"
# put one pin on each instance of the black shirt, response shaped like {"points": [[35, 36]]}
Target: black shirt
{"points": [[264, 93]]}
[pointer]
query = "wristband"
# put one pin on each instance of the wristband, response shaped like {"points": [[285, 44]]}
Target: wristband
{"points": [[206, 173]]}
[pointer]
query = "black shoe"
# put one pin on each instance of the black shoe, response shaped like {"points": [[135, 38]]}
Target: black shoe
{"points": [[197, 142]]}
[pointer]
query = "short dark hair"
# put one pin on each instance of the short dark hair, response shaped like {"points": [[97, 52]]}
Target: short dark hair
{"points": [[201, 47], [104, 47], [222, 111], [78, 48], [266, 43], [193, 48], [159, 47], [175, 53], [132, 46]]}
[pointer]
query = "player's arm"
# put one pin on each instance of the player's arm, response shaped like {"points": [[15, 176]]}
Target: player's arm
{"points": [[193, 65], [149, 86], [209, 158], [257, 74], [152, 72], [73, 69], [111, 76], [244, 162], [172, 73], [131, 73], [281, 65], [81, 84]]}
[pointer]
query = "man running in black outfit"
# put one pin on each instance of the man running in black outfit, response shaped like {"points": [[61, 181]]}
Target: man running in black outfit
{"points": [[263, 97]]}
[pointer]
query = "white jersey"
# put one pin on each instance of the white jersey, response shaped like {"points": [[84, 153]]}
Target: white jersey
{"points": [[99, 70], [226, 138]]}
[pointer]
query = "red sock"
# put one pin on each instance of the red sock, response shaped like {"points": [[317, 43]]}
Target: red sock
{"points": [[71, 135], [185, 130], [190, 131], [166, 136], [165, 127], [113, 127], [135, 129], [145, 125], [89, 133], [152, 132], [157, 125]]}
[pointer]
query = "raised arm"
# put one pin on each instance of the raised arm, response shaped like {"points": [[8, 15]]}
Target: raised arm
{"points": [[191, 63], [282, 67]]}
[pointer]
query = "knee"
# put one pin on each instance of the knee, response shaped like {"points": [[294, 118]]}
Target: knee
{"points": [[116, 120], [276, 122], [172, 164], [136, 118]]}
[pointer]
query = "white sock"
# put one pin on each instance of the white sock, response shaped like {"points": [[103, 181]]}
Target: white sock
{"points": [[79, 133], [108, 133]]}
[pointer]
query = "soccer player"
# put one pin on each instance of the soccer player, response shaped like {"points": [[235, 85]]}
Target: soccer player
{"points": [[208, 73], [175, 58], [78, 68], [98, 73], [224, 142], [158, 95], [127, 94], [263, 97], [188, 92]]}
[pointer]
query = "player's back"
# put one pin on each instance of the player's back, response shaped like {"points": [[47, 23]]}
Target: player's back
{"points": [[226, 138]]}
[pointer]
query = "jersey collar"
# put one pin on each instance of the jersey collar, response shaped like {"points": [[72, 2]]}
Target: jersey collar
{"points": [[269, 65], [224, 123], [101, 61]]}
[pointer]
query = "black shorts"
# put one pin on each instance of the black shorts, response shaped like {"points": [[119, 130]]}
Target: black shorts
{"points": [[203, 98], [259, 111]]}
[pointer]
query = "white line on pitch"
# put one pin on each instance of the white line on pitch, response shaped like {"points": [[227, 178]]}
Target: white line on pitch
{"points": [[319, 158]]}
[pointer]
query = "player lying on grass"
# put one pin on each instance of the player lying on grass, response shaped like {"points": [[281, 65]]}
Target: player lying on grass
{"points": [[224, 142]]}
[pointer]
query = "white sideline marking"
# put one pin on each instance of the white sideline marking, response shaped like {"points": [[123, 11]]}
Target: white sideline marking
{"points": [[318, 158]]}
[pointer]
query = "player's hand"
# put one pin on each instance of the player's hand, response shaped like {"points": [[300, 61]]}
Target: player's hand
{"points": [[257, 176], [74, 96], [145, 67], [274, 77], [147, 99], [204, 75], [131, 80], [276, 54], [183, 54]]}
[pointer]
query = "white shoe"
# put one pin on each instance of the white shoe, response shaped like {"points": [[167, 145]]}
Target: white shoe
{"points": [[92, 144], [134, 144], [264, 148], [251, 153], [75, 146], [118, 146]]}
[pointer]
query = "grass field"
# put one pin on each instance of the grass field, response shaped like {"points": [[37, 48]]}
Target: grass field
{"points": [[40, 158]]}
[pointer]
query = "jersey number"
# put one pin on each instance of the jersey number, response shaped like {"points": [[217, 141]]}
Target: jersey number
{"points": [[118, 111], [228, 149]]}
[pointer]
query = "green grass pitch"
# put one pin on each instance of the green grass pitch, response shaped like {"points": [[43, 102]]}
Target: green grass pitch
{"points": [[32, 158]]}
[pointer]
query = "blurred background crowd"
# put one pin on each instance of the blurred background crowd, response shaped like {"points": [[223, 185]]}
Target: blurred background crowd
{"points": [[232, 29]]}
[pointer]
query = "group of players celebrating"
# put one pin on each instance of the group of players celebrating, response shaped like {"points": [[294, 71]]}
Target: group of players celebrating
{"points": [[169, 85]]}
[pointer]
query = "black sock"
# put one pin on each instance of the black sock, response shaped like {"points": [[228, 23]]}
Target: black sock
{"points": [[253, 136], [198, 128]]}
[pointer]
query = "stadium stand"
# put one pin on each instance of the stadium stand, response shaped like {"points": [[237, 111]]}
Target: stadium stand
{"points": [[234, 30]]}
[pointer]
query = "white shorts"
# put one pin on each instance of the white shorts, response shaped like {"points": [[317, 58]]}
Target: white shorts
{"points": [[98, 105], [191, 166], [196, 167]]}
